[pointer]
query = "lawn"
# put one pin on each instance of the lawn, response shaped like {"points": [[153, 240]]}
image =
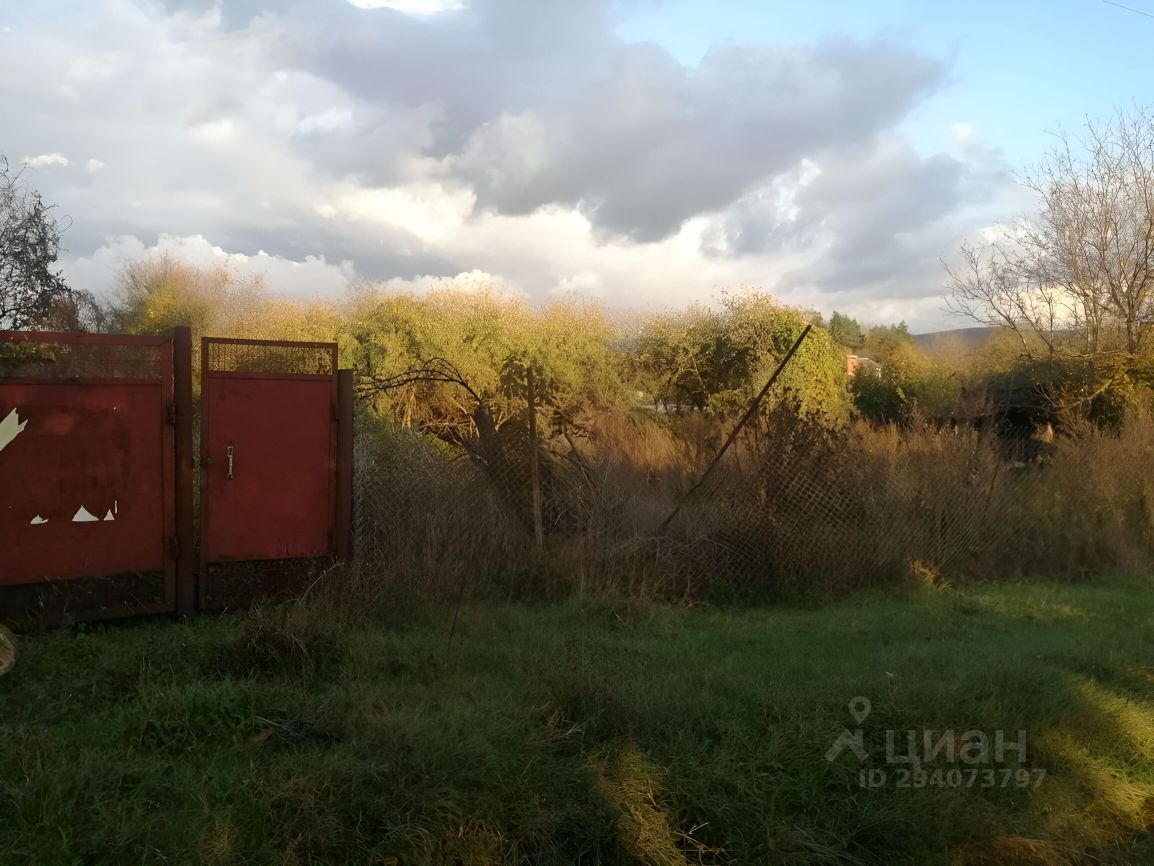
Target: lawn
{"points": [[593, 733]]}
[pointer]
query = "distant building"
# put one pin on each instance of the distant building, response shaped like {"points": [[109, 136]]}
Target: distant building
{"points": [[854, 363]]}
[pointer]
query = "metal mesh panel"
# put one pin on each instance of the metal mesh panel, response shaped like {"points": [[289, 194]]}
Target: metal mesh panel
{"points": [[795, 505], [798, 505], [28, 360], [283, 358]]}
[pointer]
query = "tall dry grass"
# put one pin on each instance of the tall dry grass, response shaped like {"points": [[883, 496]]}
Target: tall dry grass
{"points": [[797, 507], [1090, 507]]}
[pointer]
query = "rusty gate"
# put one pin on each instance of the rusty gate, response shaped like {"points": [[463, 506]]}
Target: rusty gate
{"points": [[88, 481], [269, 448], [97, 469]]}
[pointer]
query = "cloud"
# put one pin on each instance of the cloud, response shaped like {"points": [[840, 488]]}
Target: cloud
{"points": [[651, 143], [528, 141], [45, 159], [962, 133], [311, 278], [413, 7]]}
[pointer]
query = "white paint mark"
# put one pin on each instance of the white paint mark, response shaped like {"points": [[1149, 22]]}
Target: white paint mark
{"points": [[84, 516], [115, 506], [109, 516], [10, 428], [38, 520]]}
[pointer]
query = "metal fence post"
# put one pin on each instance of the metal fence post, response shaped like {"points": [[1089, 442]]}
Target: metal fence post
{"points": [[534, 462], [182, 400]]}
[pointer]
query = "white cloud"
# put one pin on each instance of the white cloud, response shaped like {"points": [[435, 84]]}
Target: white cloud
{"points": [[474, 281], [93, 166], [311, 277], [218, 131], [412, 7], [332, 120], [963, 134], [45, 159], [428, 211]]}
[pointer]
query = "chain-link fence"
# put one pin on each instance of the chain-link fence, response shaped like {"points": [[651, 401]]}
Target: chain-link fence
{"points": [[797, 504]]}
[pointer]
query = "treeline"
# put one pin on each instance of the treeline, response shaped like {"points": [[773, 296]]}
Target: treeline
{"points": [[709, 360], [897, 473], [705, 360]]}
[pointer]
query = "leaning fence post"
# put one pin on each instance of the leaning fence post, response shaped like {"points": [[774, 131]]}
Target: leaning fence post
{"points": [[749, 413], [534, 462], [185, 537]]}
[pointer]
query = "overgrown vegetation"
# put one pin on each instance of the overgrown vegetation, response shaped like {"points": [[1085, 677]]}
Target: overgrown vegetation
{"points": [[938, 463]]}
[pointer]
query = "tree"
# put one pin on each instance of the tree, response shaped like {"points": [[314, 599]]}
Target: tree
{"points": [[846, 331], [159, 292], [882, 342], [479, 334], [1078, 278], [906, 383], [32, 290], [717, 360]]}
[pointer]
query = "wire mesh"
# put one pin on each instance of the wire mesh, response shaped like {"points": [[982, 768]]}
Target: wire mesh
{"points": [[797, 504], [285, 358], [26, 360]]}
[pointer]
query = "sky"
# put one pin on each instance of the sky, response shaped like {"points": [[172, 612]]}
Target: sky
{"points": [[645, 153]]}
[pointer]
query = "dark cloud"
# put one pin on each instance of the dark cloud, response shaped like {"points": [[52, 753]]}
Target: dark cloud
{"points": [[881, 215], [541, 104]]}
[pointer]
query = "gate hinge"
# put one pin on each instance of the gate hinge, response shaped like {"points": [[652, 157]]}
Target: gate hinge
{"points": [[171, 409], [174, 547]]}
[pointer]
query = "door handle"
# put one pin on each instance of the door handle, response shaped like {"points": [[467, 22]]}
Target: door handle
{"points": [[230, 452]]}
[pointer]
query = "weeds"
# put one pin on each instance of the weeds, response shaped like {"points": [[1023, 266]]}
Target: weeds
{"points": [[800, 508]]}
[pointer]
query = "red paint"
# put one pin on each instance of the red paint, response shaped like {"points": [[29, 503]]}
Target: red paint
{"points": [[279, 503], [100, 446]]}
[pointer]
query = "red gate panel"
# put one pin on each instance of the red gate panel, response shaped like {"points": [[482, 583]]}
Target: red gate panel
{"points": [[86, 464], [268, 464]]}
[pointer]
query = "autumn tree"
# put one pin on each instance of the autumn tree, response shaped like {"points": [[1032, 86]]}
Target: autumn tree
{"points": [[158, 292], [908, 382], [430, 359], [717, 359]]}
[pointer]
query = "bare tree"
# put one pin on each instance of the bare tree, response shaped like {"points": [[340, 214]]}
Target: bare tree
{"points": [[32, 291], [999, 286], [1080, 274]]}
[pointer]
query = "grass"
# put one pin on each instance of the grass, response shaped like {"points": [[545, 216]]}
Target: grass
{"points": [[584, 733]]}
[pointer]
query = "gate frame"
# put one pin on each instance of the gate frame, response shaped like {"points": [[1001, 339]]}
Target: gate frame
{"points": [[340, 523], [176, 453]]}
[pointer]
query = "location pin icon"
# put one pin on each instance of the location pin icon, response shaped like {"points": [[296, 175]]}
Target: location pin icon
{"points": [[859, 708]]}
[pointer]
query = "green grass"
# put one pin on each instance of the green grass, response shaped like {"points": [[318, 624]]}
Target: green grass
{"points": [[583, 733]]}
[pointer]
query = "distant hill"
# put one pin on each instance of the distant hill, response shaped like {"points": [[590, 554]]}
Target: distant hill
{"points": [[966, 339]]}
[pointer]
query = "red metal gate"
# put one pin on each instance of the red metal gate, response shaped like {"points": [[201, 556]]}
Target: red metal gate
{"points": [[268, 450], [96, 471], [88, 463]]}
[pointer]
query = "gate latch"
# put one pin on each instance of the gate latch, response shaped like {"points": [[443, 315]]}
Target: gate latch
{"points": [[229, 452]]}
